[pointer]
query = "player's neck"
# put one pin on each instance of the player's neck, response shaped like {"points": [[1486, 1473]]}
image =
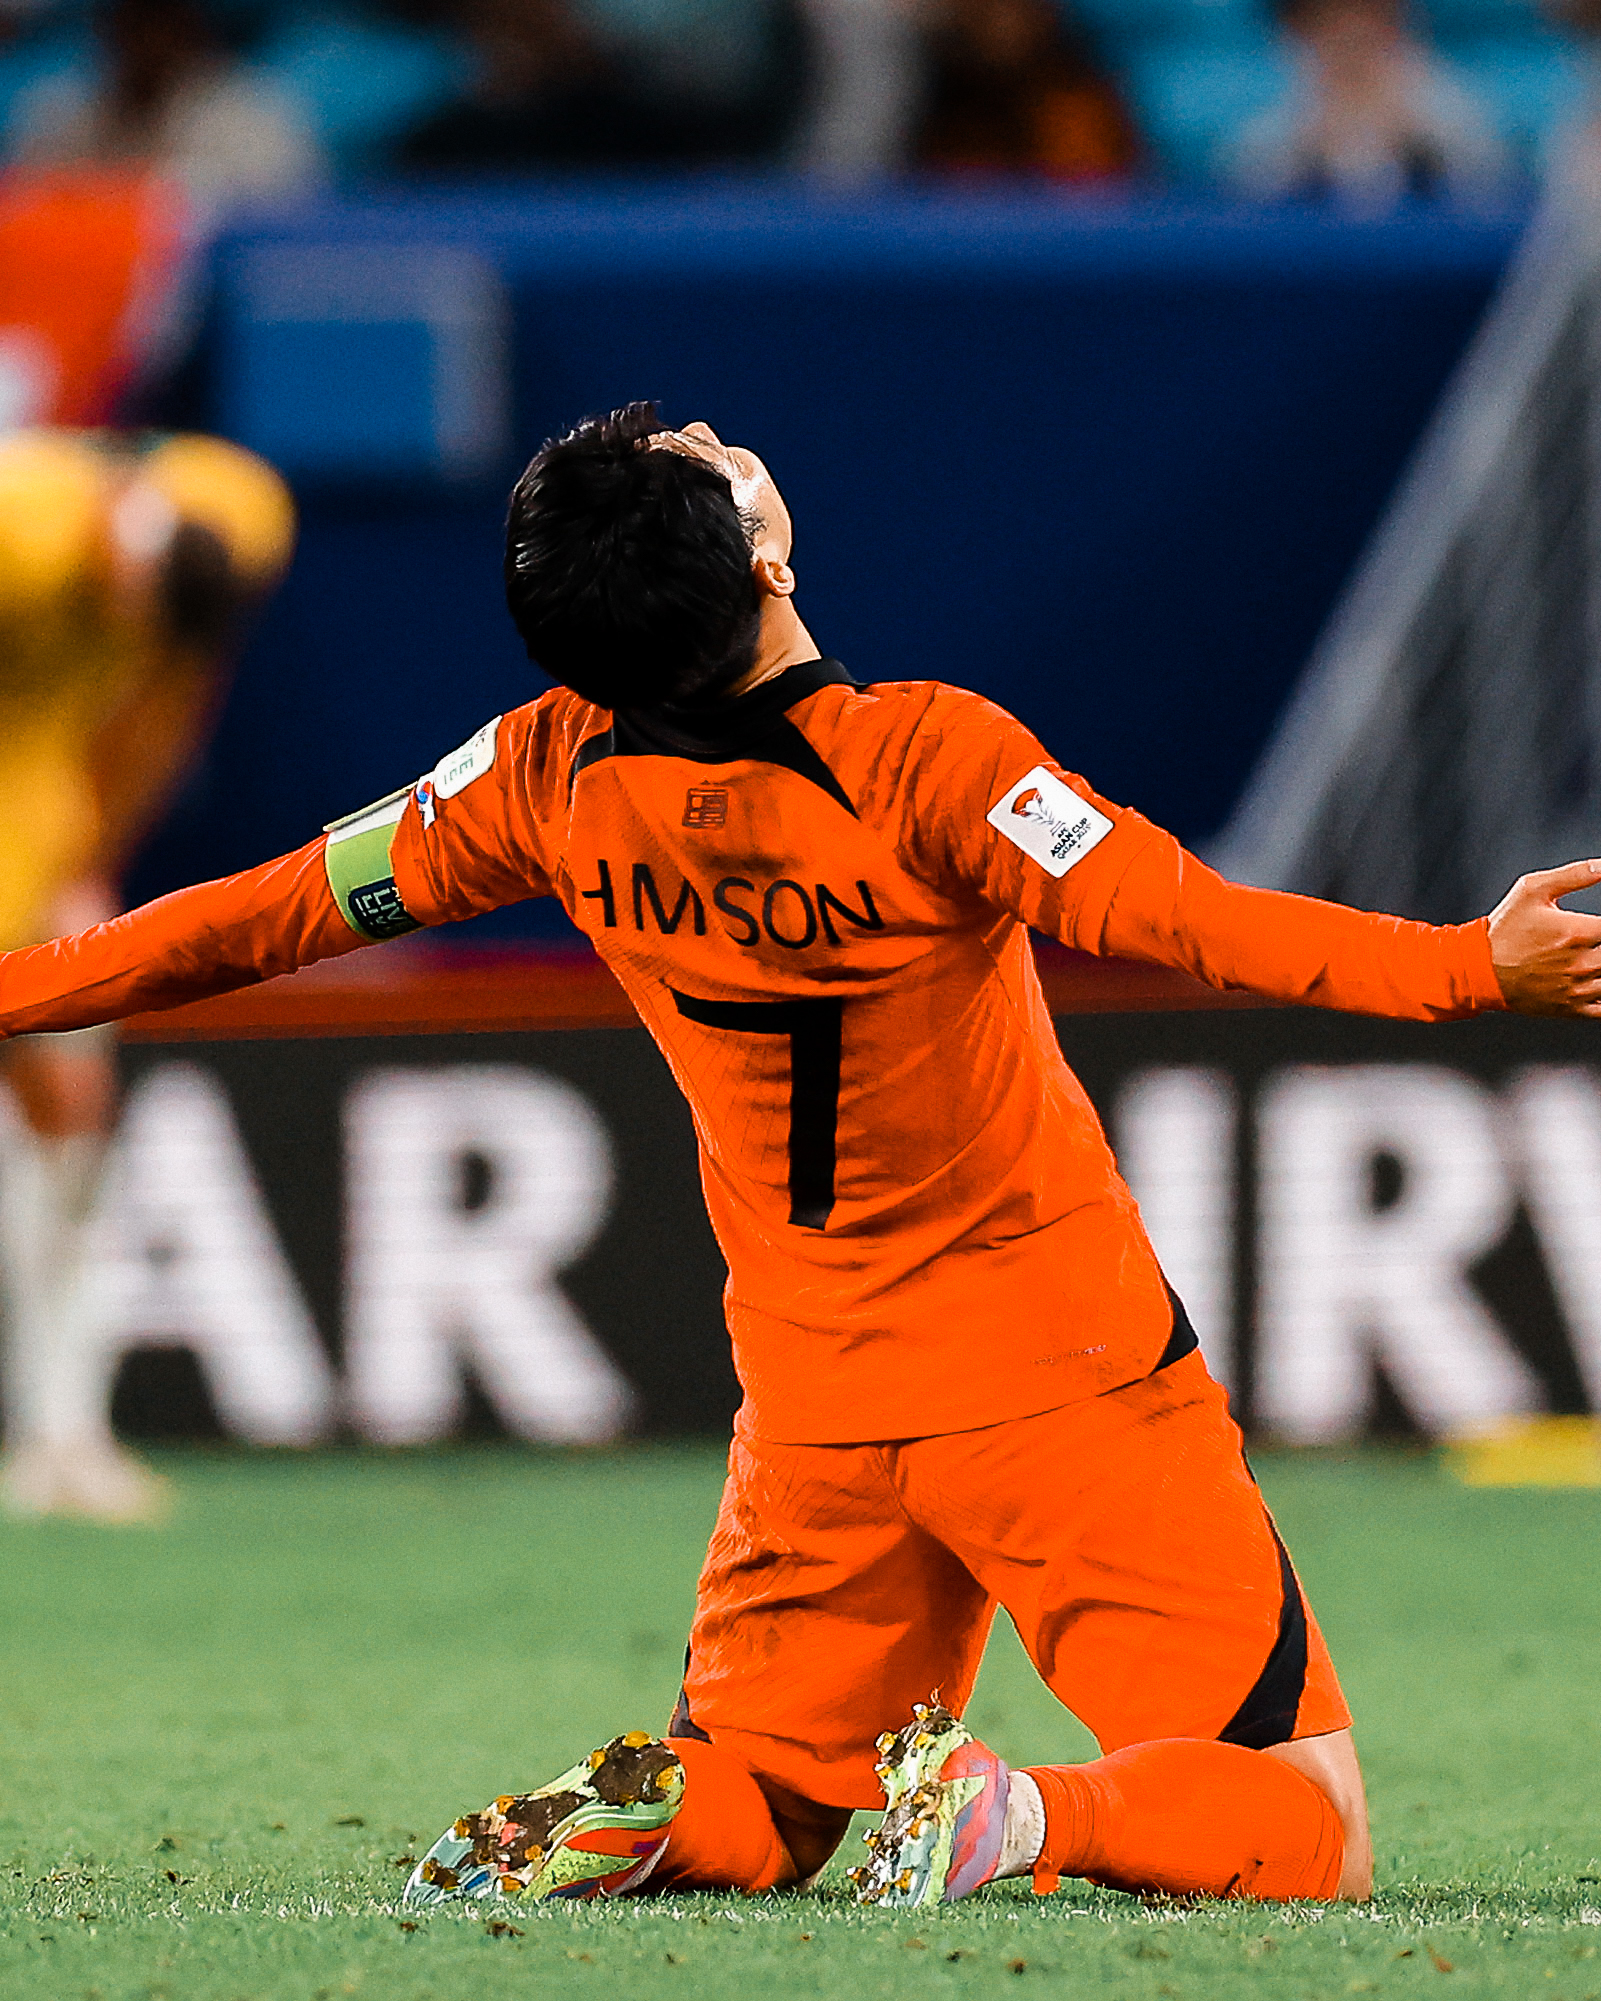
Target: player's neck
{"points": [[784, 642]]}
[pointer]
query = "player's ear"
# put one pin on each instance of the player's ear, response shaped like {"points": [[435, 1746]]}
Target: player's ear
{"points": [[774, 577]]}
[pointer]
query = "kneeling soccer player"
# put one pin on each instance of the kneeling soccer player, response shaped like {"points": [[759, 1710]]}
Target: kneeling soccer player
{"points": [[966, 1382]]}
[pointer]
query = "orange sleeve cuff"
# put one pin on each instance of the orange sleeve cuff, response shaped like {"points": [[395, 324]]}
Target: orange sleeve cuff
{"points": [[1477, 968]]}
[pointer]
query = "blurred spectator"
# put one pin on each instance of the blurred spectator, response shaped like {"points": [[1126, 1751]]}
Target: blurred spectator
{"points": [[1013, 87], [550, 91], [867, 84], [127, 567], [1371, 117], [544, 90], [168, 98], [85, 260]]}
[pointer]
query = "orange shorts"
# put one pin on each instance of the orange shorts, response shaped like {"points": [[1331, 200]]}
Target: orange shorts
{"points": [[1124, 1535]]}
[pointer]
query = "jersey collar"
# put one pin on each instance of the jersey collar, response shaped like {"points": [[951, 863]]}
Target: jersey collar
{"points": [[752, 726], [744, 717]]}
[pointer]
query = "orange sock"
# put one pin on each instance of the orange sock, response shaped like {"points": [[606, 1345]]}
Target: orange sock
{"points": [[723, 1836], [1186, 1816]]}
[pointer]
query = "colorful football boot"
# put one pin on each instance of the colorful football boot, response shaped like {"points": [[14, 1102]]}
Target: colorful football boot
{"points": [[943, 1829], [597, 1831]]}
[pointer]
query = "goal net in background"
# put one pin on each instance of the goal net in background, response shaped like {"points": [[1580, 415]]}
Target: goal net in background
{"points": [[1446, 736]]}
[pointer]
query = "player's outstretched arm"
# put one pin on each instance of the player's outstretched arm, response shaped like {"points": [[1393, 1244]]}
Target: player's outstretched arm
{"points": [[207, 940], [464, 840], [1530, 955], [1547, 959], [985, 807]]}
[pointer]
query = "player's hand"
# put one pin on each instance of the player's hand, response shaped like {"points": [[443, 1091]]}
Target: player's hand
{"points": [[1547, 959]]}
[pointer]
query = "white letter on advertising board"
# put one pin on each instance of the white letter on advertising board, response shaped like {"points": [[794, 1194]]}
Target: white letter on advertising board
{"points": [[1344, 1282], [434, 1281], [1554, 1131], [181, 1251], [1175, 1147]]}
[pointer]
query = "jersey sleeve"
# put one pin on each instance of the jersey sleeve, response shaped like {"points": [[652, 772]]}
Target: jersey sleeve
{"points": [[987, 812], [1172, 910], [465, 838], [471, 835], [988, 809], [201, 941]]}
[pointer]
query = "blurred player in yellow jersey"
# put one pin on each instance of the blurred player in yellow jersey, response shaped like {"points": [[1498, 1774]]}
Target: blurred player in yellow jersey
{"points": [[125, 568]]}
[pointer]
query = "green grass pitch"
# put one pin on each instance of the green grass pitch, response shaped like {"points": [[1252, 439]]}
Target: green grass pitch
{"points": [[219, 1736]]}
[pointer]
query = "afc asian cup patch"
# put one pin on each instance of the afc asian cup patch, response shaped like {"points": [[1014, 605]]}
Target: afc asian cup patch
{"points": [[1048, 821]]}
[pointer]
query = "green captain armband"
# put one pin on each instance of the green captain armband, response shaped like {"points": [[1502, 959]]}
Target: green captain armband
{"points": [[359, 873]]}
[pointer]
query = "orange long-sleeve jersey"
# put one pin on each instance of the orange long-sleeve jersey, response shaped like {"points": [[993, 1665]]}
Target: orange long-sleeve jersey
{"points": [[817, 895]]}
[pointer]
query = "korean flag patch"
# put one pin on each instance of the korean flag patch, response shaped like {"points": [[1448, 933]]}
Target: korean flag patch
{"points": [[1048, 821]]}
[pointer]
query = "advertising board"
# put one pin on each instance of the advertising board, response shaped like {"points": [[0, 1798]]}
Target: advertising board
{"points": [[1373, 1225]]}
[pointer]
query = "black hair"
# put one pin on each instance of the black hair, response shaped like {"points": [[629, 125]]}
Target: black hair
{"points": [[628, 571]]}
